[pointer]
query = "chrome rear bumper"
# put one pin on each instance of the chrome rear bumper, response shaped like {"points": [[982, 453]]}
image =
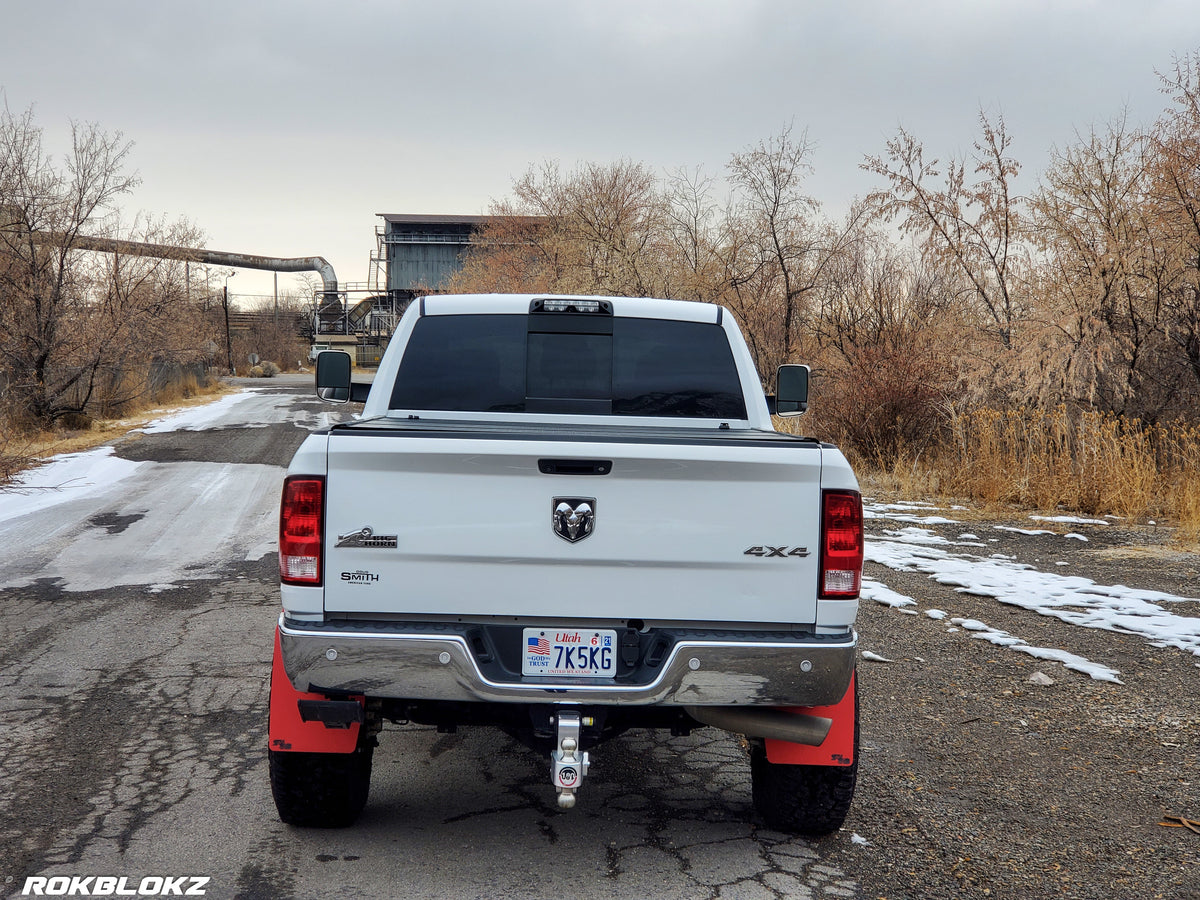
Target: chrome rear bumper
{"points": [[696, 672]]}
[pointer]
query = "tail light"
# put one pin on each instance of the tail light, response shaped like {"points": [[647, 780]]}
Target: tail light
{"points": [[841, 544], [300, 521]]}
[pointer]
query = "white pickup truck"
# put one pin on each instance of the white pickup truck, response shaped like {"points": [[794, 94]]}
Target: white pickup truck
{"points": [[566, 517]]}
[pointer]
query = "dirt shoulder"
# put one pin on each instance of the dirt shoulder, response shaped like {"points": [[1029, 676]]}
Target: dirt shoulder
{"points": [[976, 781]]}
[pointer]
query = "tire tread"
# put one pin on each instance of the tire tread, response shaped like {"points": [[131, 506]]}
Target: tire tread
{"points": [[320, 790], [809, 800]]}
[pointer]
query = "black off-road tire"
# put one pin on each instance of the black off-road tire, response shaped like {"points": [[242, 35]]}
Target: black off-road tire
{"points": [[809, 800], [320, 790]]}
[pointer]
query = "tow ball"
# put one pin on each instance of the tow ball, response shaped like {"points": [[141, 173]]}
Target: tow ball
{"points": [[570, 765]]}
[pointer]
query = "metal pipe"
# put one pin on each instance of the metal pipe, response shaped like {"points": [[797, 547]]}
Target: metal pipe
{"points": [[797, 728], [211, 257], [330, 304]]}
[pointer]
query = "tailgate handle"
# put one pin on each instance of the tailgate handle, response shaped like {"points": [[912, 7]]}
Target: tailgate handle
{"points": [[574, 466]]}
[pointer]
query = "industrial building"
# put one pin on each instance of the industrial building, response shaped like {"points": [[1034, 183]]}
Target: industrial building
{"points": [[419, 253], [415, 254]]}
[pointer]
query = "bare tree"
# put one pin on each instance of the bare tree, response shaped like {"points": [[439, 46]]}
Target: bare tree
{"points": [[778, 249], [1174, 189], [1119, 219], [513, 252], [43, 285], [1103, 275], [70, 320], [596, 230], [692, 240], [788, 247], [974, 229]]}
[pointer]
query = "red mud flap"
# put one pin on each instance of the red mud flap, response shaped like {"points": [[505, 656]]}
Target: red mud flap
{"points": [[838, 747], [289, 731]]}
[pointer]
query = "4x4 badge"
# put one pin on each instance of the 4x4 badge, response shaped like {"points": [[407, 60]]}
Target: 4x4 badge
{"points": [[573, 518]]}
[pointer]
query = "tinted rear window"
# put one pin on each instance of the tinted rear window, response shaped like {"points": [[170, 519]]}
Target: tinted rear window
{"points": [[500, 363]]}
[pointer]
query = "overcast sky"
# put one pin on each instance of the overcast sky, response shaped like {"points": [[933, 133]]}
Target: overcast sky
{"points": [[283, 128]]}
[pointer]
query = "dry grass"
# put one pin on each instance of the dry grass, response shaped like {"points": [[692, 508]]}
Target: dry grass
{"points": [[185, 388], [1090, 463], [1187, 501]]}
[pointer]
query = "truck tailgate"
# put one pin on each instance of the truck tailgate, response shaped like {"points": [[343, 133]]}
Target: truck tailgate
{"points": [[685, 528]]}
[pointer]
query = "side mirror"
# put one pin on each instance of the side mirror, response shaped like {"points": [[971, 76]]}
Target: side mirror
{"points": [[791, 394], [333, 376]]}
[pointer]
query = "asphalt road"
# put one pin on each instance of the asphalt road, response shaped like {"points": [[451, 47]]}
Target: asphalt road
{"points": [[136, 626]]}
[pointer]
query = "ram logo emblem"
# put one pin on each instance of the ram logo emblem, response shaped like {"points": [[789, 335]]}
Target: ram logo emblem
{"points": [[574, 518]]}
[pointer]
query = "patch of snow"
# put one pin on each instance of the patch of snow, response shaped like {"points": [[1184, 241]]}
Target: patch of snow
{"points": [[913, 535], [262, 550], [1003, 639], [936, 613], [322, 420], [1070, 520], [904, 512], [1078, 537], [860, 840], [904, 505], [987, 633], [1070, 598], [919, 520], [200, 418], [1071, 661], [1029, 531], [874, 657], [970, 624], [65, 479], [884, 595], [233, 507]]}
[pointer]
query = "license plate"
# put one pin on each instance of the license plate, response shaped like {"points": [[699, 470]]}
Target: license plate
{"points": [[581, 652]]}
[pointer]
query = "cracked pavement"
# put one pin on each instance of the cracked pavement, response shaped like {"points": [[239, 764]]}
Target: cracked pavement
{"points": [[134, 671]]}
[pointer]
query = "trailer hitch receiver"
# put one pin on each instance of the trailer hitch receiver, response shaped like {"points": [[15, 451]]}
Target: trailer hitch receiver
{"points": [[570, 765]]}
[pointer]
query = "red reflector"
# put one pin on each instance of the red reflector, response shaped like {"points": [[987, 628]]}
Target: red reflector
{"points": [[841, 544], [300, 517]]}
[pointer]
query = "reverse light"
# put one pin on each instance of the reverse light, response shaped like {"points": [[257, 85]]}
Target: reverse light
{"points": [[841, 544], [300, 521]]}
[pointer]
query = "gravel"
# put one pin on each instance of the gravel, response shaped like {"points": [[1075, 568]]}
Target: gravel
{"points": [[989, 773]]}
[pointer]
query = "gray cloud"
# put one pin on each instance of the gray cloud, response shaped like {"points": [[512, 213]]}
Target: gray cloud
{"points": [[283, 127]]}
